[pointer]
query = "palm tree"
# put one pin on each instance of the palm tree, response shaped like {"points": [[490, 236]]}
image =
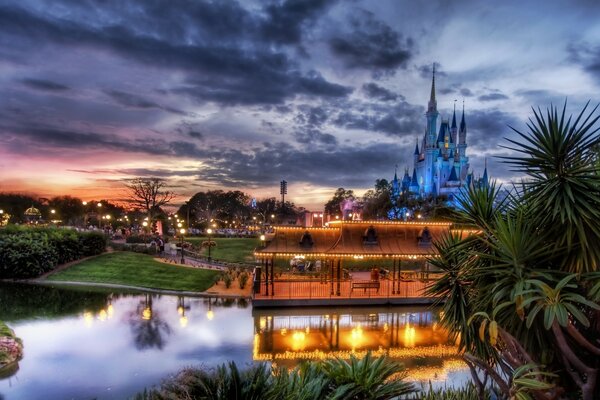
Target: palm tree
{"points": [[522, 293]]}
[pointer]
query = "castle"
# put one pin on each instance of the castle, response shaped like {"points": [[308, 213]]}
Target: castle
{"points": [[441, 165]]}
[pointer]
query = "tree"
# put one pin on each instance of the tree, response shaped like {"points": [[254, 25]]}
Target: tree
{"points": [[69, 209], [522, 295], [332, 207], [149, 194], [377, 202], [266, 207]]}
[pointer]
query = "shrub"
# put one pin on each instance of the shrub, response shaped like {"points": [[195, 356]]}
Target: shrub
{"points": [[227, 280], [243, 279], [30, 252], [137, 239], [26, 255], [93, 243]]}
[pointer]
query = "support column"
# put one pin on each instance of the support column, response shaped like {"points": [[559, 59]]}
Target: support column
{"points": [[399, 275], [339, 275], [331, 267], [266, 264], [272, 276]]}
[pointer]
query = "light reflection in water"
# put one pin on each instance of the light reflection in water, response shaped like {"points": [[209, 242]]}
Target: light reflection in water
{"points": [[411, 336], [110, 346]]}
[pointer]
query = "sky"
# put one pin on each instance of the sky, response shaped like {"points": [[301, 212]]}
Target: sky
{"points": [[238, 95]]}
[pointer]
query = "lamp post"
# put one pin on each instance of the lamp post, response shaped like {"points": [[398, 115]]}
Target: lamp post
{"points": [[145, 225], [99, 205], [182, 231], [209, 232]]}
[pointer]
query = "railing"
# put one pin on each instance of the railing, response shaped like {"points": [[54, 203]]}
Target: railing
{"points": [[328, 289]]}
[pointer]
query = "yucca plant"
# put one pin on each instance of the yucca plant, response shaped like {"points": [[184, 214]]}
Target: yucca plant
{"points": [[368, 378], [558, 157], [529, 282]]}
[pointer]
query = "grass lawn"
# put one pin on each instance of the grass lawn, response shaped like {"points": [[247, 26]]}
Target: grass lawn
{"points": [[127, 268], [238, 250]]}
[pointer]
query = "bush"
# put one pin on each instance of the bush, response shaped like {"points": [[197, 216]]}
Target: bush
{"points": [[93, 243], [243, 279], [30, 252], [137, 239], [227, 280], [26, 256]]}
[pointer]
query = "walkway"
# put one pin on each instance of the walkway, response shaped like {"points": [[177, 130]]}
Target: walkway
{"points": [[314, 292]]}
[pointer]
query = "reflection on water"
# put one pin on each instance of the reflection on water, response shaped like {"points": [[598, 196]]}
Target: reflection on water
{"points": [[110, 346], [410, 335], [93, 344]]}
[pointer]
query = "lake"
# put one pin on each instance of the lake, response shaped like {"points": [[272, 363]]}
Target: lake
{"points": [[94, 344]]}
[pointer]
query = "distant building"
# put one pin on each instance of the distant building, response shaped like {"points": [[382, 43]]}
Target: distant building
{"points": [[440, 163]]}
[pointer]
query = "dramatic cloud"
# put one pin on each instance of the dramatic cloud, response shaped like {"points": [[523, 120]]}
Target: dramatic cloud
{"points": [[492, 97], [374, 91], [372, 45], [240, 94], [41, 84]]}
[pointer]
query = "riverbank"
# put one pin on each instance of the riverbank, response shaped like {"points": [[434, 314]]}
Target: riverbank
{"points": [[11, 347], [141, 272], [134, 270]]}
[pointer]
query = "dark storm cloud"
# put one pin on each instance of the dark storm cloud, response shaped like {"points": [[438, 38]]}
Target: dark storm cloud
{"points": [[315, 137], [466, 92], [264, 164], [541, 97], [287, 20], [218, 71], [372, 45], [587, 55], [36, 139], [311, 115], [134, 101], [374, 91], [45, 85], [399, 119], [486, 129], [426, 70], [356, 166], [492, 97]]}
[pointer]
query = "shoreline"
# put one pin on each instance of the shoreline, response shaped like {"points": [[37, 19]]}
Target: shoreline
{"points": [[134, 288]]}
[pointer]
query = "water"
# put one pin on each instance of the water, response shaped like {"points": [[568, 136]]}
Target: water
{"points": [[94, 344]]}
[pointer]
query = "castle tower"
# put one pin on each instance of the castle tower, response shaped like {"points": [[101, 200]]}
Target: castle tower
{"points": [[431, 115], [453, 129], [462, 147]]}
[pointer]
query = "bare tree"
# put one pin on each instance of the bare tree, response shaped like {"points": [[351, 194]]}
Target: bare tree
{"points": [[149, 194]]}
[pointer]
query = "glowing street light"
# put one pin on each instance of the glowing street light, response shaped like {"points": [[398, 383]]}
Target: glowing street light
{"points": [[53, 211], [182, 232], [99, 204], [84, 203], [209, 232]]}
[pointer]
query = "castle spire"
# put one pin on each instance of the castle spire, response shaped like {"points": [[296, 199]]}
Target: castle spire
{"points": [[454, 116], [484, 180], [463, 125], [416, 153], [432, 96]]}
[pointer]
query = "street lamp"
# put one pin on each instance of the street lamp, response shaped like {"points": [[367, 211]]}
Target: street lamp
{"points": [[262, 240], [209, 232], [84, 203], [182, 231]]}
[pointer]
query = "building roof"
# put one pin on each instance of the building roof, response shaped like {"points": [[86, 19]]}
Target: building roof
{"points": [[352, 239]]}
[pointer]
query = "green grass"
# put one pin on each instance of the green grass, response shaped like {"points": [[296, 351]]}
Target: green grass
{"points": [[136, 269], [234, 250]]}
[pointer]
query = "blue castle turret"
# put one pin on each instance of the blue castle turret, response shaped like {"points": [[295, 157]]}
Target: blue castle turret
{"points": [[440, 162], [441, 165]]}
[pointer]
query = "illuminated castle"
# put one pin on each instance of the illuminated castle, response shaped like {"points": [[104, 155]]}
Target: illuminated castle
{"points": [[441, 165]]}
